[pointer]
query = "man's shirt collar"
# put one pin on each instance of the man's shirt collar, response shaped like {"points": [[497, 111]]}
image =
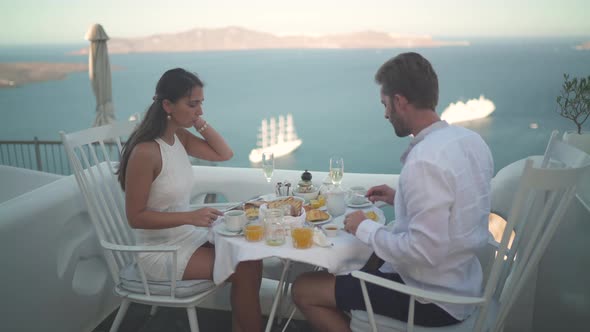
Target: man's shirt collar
{"points": [[421, 135]]}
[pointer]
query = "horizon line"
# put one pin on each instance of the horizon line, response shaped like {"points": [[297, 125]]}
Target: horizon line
{"points": [[470, 38]]}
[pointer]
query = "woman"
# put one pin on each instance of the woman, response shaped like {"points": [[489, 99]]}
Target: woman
{"points": [[156, 175]]}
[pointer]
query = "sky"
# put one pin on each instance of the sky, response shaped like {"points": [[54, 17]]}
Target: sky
{"points": [[66, 21]]}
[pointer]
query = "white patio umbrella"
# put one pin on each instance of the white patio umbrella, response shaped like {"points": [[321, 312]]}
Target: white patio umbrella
{"points": [[99, 70]]}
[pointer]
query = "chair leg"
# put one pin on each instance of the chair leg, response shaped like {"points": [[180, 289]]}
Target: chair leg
{"points": [[153, 310], [192, 319], [120, 314]]}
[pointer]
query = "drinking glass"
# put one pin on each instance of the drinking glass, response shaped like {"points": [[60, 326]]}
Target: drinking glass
{"points": [[268, 165], [273, 227], [302, 237], [254, 232], [336, 170]]}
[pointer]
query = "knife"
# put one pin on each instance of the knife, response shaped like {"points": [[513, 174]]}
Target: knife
{"points": [[253, 199]]}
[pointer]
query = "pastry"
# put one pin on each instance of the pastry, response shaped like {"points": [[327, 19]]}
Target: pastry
{"points": [[316, 215], [251, 213]]}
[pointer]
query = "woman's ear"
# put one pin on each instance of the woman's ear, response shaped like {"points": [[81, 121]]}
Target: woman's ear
{"points": [[167, 105]]}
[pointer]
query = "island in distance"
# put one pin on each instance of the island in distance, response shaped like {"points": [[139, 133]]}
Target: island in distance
{"points": [[18, 73], [218, 39], [237, 38]]}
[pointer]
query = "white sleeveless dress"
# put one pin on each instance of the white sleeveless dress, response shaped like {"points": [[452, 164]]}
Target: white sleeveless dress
{"points": [[170, 192]]}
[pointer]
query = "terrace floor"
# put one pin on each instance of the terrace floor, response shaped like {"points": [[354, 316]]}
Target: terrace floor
{"points": [[175, 320]]}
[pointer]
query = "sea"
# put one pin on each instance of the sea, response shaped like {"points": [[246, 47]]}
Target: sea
{"points": [[331, 94]]}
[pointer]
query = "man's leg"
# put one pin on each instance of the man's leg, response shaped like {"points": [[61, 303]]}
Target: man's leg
{"points": [[313, 293]]}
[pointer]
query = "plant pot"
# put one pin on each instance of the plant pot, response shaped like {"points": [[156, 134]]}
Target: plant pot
{"points": [[580, 141]]}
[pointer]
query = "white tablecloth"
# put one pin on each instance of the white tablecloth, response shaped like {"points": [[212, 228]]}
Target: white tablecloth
{"points": [[348, 253]]}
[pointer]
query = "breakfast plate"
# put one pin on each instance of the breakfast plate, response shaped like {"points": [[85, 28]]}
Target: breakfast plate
{"points": [[320, 222], [375, 214]]}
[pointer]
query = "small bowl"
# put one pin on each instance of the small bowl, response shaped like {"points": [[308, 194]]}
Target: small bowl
{"points": [[307, 196], [331, 230]]}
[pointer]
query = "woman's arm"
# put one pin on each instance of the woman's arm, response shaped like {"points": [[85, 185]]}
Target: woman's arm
{"points": [[143, 167], [211, 147]]}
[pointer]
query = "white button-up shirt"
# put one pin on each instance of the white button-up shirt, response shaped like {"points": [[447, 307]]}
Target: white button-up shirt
{"points": [[442, 204]]}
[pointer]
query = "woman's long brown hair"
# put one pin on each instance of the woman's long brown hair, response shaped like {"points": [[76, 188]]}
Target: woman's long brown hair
{"points": [[173, 85]]}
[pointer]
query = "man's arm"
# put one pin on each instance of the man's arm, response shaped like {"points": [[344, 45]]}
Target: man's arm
{"points": [[428, 197]]}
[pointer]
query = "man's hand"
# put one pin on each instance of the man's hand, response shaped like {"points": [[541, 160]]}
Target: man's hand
{"points": [[381, 193], [352, 221]]}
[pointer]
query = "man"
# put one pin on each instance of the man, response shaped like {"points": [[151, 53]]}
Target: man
{"points": [[442, 205]]}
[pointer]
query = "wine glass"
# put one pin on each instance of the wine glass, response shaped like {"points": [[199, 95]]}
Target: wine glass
{"points": [[268, 165], [336, 170]]}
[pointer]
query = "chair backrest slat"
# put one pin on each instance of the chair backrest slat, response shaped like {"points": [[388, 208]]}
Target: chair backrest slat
{"points": [[125, 232], [107, 196], [119, 198]]}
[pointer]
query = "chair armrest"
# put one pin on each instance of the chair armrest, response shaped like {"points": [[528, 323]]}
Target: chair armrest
{"points": [[118, 247], [417, 292]]}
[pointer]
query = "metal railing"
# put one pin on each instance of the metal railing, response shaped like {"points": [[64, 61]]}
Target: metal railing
{"points": [[47, 156], [44, 156]]}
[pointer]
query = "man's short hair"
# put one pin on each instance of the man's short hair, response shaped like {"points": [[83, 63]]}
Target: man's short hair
{"points": [[410, 75]]}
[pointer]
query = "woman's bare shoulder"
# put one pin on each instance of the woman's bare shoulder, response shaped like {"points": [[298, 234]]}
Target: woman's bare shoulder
{"points": [[146, 151]]}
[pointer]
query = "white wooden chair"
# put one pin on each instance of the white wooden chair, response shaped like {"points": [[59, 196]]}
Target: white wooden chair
{"points": [[539, 204], [93, 154], [561, 154]]}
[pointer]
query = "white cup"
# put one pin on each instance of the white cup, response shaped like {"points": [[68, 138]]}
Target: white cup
{"points": [[234, 220], [357, 195]]}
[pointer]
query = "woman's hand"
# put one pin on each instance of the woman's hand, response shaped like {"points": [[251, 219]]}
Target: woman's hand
{"points": [[204, 217], [381, 193], [199, 122]]}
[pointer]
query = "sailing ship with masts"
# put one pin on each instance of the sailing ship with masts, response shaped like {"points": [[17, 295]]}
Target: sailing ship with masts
{"points": [[278, 137]]}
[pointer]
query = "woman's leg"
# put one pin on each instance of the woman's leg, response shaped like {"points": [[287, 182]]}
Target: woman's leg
{"points": [[200, 265], [245, 291], [245, 296]]}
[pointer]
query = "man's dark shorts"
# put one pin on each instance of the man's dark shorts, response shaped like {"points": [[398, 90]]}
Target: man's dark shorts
{"points": [[387, 302]]}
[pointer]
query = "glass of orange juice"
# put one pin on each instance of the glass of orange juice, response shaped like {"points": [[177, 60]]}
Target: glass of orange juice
{"points": [[302, 237], [322, 200], [254, 232]]}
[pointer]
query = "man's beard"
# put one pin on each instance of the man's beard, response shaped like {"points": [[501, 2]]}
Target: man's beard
{"points": [[400, 129]]}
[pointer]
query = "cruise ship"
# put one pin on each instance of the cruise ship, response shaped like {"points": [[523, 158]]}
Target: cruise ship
{"points": [[473, 109]]}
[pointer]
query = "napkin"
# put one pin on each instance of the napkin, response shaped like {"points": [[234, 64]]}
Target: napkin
{"points": [[320, 239]]}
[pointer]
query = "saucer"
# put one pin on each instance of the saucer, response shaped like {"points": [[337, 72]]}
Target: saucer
{"points": [[221, 230], [358, 206]]}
